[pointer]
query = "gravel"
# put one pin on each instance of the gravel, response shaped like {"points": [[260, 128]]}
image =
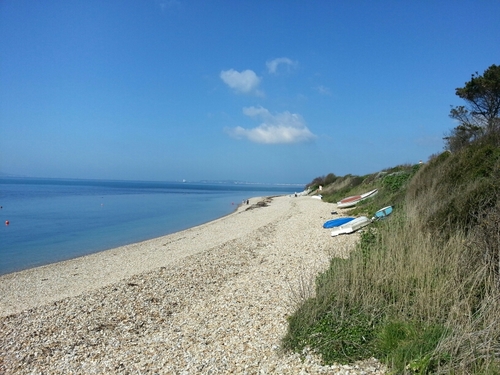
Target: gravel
{"points": [[213, 299]]}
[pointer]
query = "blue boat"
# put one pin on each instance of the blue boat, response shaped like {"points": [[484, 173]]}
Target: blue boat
{"points": [[382, 213], [337, 222]]}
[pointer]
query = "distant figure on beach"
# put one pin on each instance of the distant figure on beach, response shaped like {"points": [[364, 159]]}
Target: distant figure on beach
{"points": [[248, 201]]}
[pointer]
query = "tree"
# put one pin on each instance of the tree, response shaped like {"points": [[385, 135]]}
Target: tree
{"points": [[480, 115], [329, 179]]}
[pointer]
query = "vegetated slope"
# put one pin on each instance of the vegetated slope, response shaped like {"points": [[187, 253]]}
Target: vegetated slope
{"points": [[391, 184], [457, 190], [422, 290]]}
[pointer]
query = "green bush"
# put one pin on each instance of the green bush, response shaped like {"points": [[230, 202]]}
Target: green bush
{"points": [[409, 346], [330, 179], [396, 181], [420, 292], [343, 337]]}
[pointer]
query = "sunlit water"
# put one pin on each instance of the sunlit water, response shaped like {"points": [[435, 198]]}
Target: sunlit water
{"points": [[52, 220]]}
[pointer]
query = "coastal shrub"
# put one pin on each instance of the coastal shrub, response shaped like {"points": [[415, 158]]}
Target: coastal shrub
{"points": [[315, 183], [391, 189], [329, 179], [321, 181], [395, 181], [409, 346], [394, 275], [474, 342], [455, 187], [383, 198], [343, 336], [341, 186], [427, 180], [421, 291], [339, 336]]}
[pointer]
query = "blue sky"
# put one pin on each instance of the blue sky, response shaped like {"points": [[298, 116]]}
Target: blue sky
{"points": [[260, 91]]}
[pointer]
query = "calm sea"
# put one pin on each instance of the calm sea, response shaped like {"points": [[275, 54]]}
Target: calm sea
{"points": [[53, 219]]}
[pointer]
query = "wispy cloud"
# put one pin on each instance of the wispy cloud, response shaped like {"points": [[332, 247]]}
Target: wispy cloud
{"points": [[244, 82], [167, 4], [272, 66], [323, 90], [282, 127]]}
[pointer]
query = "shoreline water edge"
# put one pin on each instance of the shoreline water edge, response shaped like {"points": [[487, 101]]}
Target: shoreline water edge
{"points": [[209, 299], [56, 220], [113, 271]]}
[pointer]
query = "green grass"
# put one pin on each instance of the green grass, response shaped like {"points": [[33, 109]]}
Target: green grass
{"points": [[339, 337], [421, 290], [409, 346]]}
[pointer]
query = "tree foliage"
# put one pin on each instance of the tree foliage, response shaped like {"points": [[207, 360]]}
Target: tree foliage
{"points": [[322, 180], [481, 113], [330, 179]]}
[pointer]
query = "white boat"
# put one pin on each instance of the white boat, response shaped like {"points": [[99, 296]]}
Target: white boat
{"points": [[319, 196], [355, 199], [351, 226], [349, 201]]}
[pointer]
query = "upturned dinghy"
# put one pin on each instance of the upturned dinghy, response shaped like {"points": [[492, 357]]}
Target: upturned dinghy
{"points": [[351, 226], [337, 222], [349, 201], [355, 199], [382, 213]]}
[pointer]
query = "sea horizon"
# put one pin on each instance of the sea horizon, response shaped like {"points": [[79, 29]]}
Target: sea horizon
{"points": [[9, 176]]}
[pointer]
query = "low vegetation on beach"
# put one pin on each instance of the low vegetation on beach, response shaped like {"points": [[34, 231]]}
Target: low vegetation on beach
{"points": [[421, 292]]}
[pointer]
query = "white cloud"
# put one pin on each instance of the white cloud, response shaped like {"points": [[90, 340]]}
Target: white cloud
{"points": [[283, 127], [245, 82], [272, 66], [323, 90], [164, 5]]}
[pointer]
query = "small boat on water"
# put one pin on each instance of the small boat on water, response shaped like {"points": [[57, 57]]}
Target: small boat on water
{"points": [[382, 213], [337, 222], [351, 226], [355, 199]]}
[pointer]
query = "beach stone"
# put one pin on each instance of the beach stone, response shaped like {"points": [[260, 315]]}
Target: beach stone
{"points": [[213, 299]]}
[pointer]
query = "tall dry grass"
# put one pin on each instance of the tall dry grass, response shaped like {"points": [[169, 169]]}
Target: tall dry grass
{"points": [[473, 345], [435, 263]]}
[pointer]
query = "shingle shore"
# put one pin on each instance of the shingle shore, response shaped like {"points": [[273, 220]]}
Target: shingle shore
{"points": [[208, 300]]}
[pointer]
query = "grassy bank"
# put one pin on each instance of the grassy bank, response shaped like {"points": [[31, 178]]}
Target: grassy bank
{"points": [[422, 290]]}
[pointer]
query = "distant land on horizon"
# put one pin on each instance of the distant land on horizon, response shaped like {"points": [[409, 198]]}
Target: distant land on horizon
{"points": [[235, 182]]}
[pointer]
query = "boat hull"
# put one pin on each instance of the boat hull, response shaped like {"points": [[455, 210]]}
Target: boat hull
{"points": [[337, 222], [351, 226], [382, 213], [355, 199]]}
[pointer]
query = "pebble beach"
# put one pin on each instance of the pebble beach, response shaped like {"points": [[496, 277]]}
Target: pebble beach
{"points": [[213, 299]]}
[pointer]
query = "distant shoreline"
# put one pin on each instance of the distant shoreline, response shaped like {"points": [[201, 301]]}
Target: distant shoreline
{"points": [[139, 182]]}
